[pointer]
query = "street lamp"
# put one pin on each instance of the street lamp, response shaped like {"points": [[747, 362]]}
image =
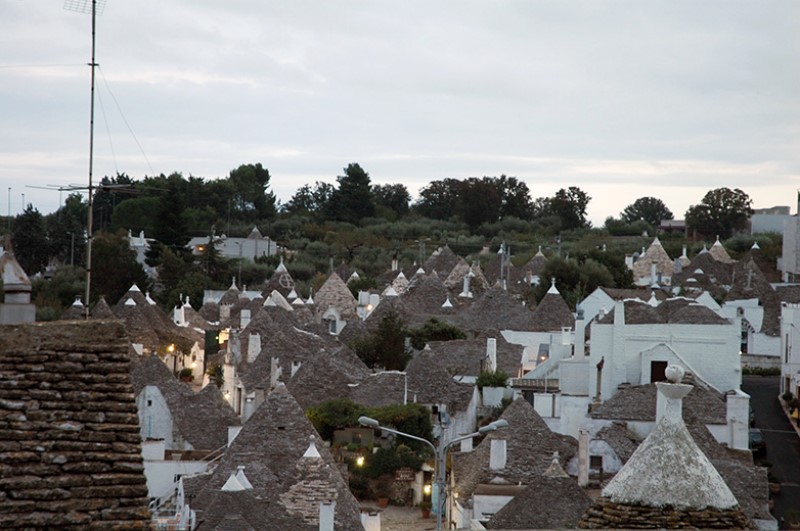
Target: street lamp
{"points": [[439, 451]]}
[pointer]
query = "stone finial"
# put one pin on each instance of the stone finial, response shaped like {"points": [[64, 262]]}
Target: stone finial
{"points": [[674, 373], [312, 451]]}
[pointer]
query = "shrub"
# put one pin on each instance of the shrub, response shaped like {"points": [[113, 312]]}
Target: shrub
{"points": [[491, 379], [435, 330]]}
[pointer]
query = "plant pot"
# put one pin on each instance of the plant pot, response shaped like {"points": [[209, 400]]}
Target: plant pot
{"points": [[426, 513], [383, 503]]}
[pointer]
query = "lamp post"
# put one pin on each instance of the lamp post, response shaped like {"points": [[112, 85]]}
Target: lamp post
{"points": [[440, 451]]}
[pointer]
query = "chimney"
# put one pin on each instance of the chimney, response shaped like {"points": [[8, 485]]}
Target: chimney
{"points": [[178, 315], [274, 372], [678, 267], [497, 454], [683, 254], [371, 520], [244, 318], [465, 292], [253, 347], [491, 354], [466, 445], [669, 398], [326, 510], [17, 307], [249, 407], [583, 458], [619, 313], [579, 348], [395, 264]]}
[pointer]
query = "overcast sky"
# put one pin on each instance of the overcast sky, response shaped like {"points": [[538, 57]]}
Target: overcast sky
{"points": [[621, 98]]}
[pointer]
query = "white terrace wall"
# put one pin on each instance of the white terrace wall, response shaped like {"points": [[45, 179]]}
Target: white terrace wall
{"points": [[712, 351]]}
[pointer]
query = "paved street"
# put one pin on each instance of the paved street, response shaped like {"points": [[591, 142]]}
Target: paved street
{"points": [[783, 443], [401, 518]]}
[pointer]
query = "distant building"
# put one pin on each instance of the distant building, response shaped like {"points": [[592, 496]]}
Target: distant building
{"points": [[769, 219], [252, 247]]}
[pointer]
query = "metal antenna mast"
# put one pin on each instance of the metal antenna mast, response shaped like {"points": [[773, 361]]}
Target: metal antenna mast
{"points": [[83, 6]]}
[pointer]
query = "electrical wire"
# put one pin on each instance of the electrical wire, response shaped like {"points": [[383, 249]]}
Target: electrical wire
{"points": [[122, 114], [108, 131]]}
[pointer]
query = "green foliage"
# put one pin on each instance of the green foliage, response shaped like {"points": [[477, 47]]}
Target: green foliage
{"points": [[353, 199], [721, 212], [362, 284], [386, 347], [114, 267], [618, 227], [394, 199], [215, 375], [343, 413], [334, 415], [386, 461], [60, 290], [29, 238], [574, 280], [251, 199], [138, 214], [651, 210], [570, 207], [434, 330], [491, 379]]}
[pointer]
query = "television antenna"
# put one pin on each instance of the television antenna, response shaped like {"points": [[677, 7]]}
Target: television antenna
{"points": [[94, 7]]}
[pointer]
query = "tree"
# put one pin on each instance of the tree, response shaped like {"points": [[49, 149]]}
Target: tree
{"points": [[353, 200], [439, 199], [649, 209], [170, 228], [114, 266], [309, 200], [515, 197], [66, 230], [721, 213], [435, 330], [574, 280], [29, 239], [392, 197], [386, 347], [479, 202], [251, 199], [570, 206]]}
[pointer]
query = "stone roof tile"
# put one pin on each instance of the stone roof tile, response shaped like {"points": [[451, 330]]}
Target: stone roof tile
{"points": [[71, 445]]}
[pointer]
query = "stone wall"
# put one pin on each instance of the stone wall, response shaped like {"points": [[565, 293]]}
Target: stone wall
{"points": [[70, 455], [605, 514]]}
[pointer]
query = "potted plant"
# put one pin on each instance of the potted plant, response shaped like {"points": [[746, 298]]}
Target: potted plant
{"points": [[186, 375], [383, 489], [425, 507], [793, 519]]}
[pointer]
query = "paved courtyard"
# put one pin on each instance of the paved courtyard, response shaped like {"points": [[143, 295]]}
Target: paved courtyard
{"points": [[401, 518]]}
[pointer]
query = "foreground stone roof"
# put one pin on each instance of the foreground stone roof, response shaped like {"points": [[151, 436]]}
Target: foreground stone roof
{"points": [[530, 449], [638, 402], [287, 484], [70, 455]]}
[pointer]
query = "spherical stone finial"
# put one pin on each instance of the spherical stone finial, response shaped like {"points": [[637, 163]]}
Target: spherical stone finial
{"points": [[674, 373]]}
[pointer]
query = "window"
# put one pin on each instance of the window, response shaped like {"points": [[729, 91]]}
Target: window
{"points": [[149, 402], [596, 462]]}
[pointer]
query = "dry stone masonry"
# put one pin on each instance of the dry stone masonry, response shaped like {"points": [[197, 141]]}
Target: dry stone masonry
{"points": [[70, 453]]}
